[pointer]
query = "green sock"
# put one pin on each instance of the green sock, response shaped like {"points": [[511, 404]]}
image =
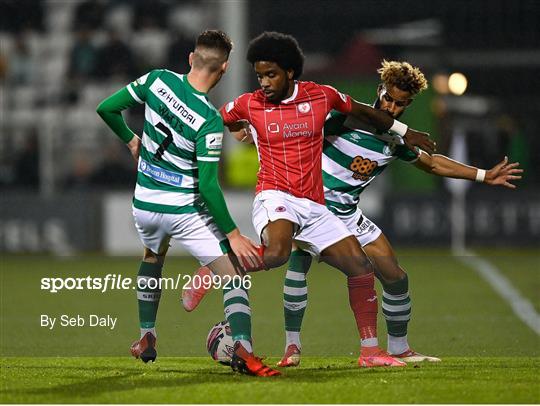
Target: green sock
{"points": [[396, 307], [148, 298], [238, 314], [295, 294]]}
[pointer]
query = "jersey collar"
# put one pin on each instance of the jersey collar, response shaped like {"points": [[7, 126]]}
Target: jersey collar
{"points": [[293, 96]]}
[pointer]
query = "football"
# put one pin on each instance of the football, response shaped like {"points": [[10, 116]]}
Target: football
{"points": [[219, 342]]}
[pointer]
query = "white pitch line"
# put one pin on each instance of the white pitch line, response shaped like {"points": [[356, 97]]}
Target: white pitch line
{"points": [[520, 305]]}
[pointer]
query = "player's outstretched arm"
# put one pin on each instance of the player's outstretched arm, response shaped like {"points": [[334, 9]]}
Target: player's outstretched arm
{"points": [[383, 122], [501, 174], [417, 139]]}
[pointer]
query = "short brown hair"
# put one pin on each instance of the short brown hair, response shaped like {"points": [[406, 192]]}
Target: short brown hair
{"points": [[402, 75], [215, 39], [212, 48]]}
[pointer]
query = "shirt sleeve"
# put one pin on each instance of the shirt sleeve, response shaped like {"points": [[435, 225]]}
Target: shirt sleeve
{"points": [[235, 110], [334, 124], [213, 196], [337, 100], [210, 140], [110, 109], [138, 89], [208, 149], [405, 154]]}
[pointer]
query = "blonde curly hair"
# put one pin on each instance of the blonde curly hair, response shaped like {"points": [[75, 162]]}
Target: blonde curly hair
{"points": [[402, 75]]}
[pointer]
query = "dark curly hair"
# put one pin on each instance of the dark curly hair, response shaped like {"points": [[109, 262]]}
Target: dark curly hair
{"points": [[276, 47]]}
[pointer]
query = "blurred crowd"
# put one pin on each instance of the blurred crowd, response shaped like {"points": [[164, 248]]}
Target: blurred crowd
{"points": [[60, 58], [108, 44]]}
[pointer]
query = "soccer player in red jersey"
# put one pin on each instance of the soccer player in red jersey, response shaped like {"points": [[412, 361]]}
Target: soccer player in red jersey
{"points": [[286, 118]]}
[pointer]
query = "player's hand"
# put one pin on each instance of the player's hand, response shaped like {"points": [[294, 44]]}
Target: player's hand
{"points": [[245, 250], [503, 173], [419, 139], [134, 147], [241, 131]]}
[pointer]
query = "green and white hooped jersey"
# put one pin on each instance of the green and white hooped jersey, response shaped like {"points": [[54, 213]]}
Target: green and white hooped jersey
{"points": [[181, 127], [350, 162]]}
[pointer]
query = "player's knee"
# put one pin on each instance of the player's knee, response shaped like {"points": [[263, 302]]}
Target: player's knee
{"points": [[354, 266], [395, 274], [275, 261], [363, 265], [152, 258], [276, 255], [390, 274]]}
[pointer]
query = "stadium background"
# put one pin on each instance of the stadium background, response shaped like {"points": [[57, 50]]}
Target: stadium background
{"points": [[66, 181], [60, 58]]}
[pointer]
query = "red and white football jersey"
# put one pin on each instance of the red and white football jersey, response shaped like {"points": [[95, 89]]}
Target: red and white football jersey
{"points": [[289, 136]]}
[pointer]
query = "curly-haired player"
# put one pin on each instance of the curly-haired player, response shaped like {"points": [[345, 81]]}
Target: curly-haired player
{"points": [[352, 159], [287, 118]]}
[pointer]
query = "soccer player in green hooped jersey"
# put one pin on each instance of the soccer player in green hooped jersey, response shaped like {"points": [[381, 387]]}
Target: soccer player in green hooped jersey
{"points": [[352, 159], [177, 194]]}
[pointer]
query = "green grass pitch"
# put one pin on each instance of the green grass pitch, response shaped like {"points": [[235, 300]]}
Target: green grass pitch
{"points": [[489, 355]]}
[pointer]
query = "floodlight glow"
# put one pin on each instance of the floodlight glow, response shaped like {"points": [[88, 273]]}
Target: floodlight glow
{"points": [[457, 83]]}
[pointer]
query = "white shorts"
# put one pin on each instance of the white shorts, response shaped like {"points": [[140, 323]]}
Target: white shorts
{"points": [[317, 227], [365, 230], [197, 232]]}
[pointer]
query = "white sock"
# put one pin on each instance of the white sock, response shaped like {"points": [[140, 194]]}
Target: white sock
{"points": [[146, 330], [397, 345], [247, 345], [293, 337], [369, 342]]}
